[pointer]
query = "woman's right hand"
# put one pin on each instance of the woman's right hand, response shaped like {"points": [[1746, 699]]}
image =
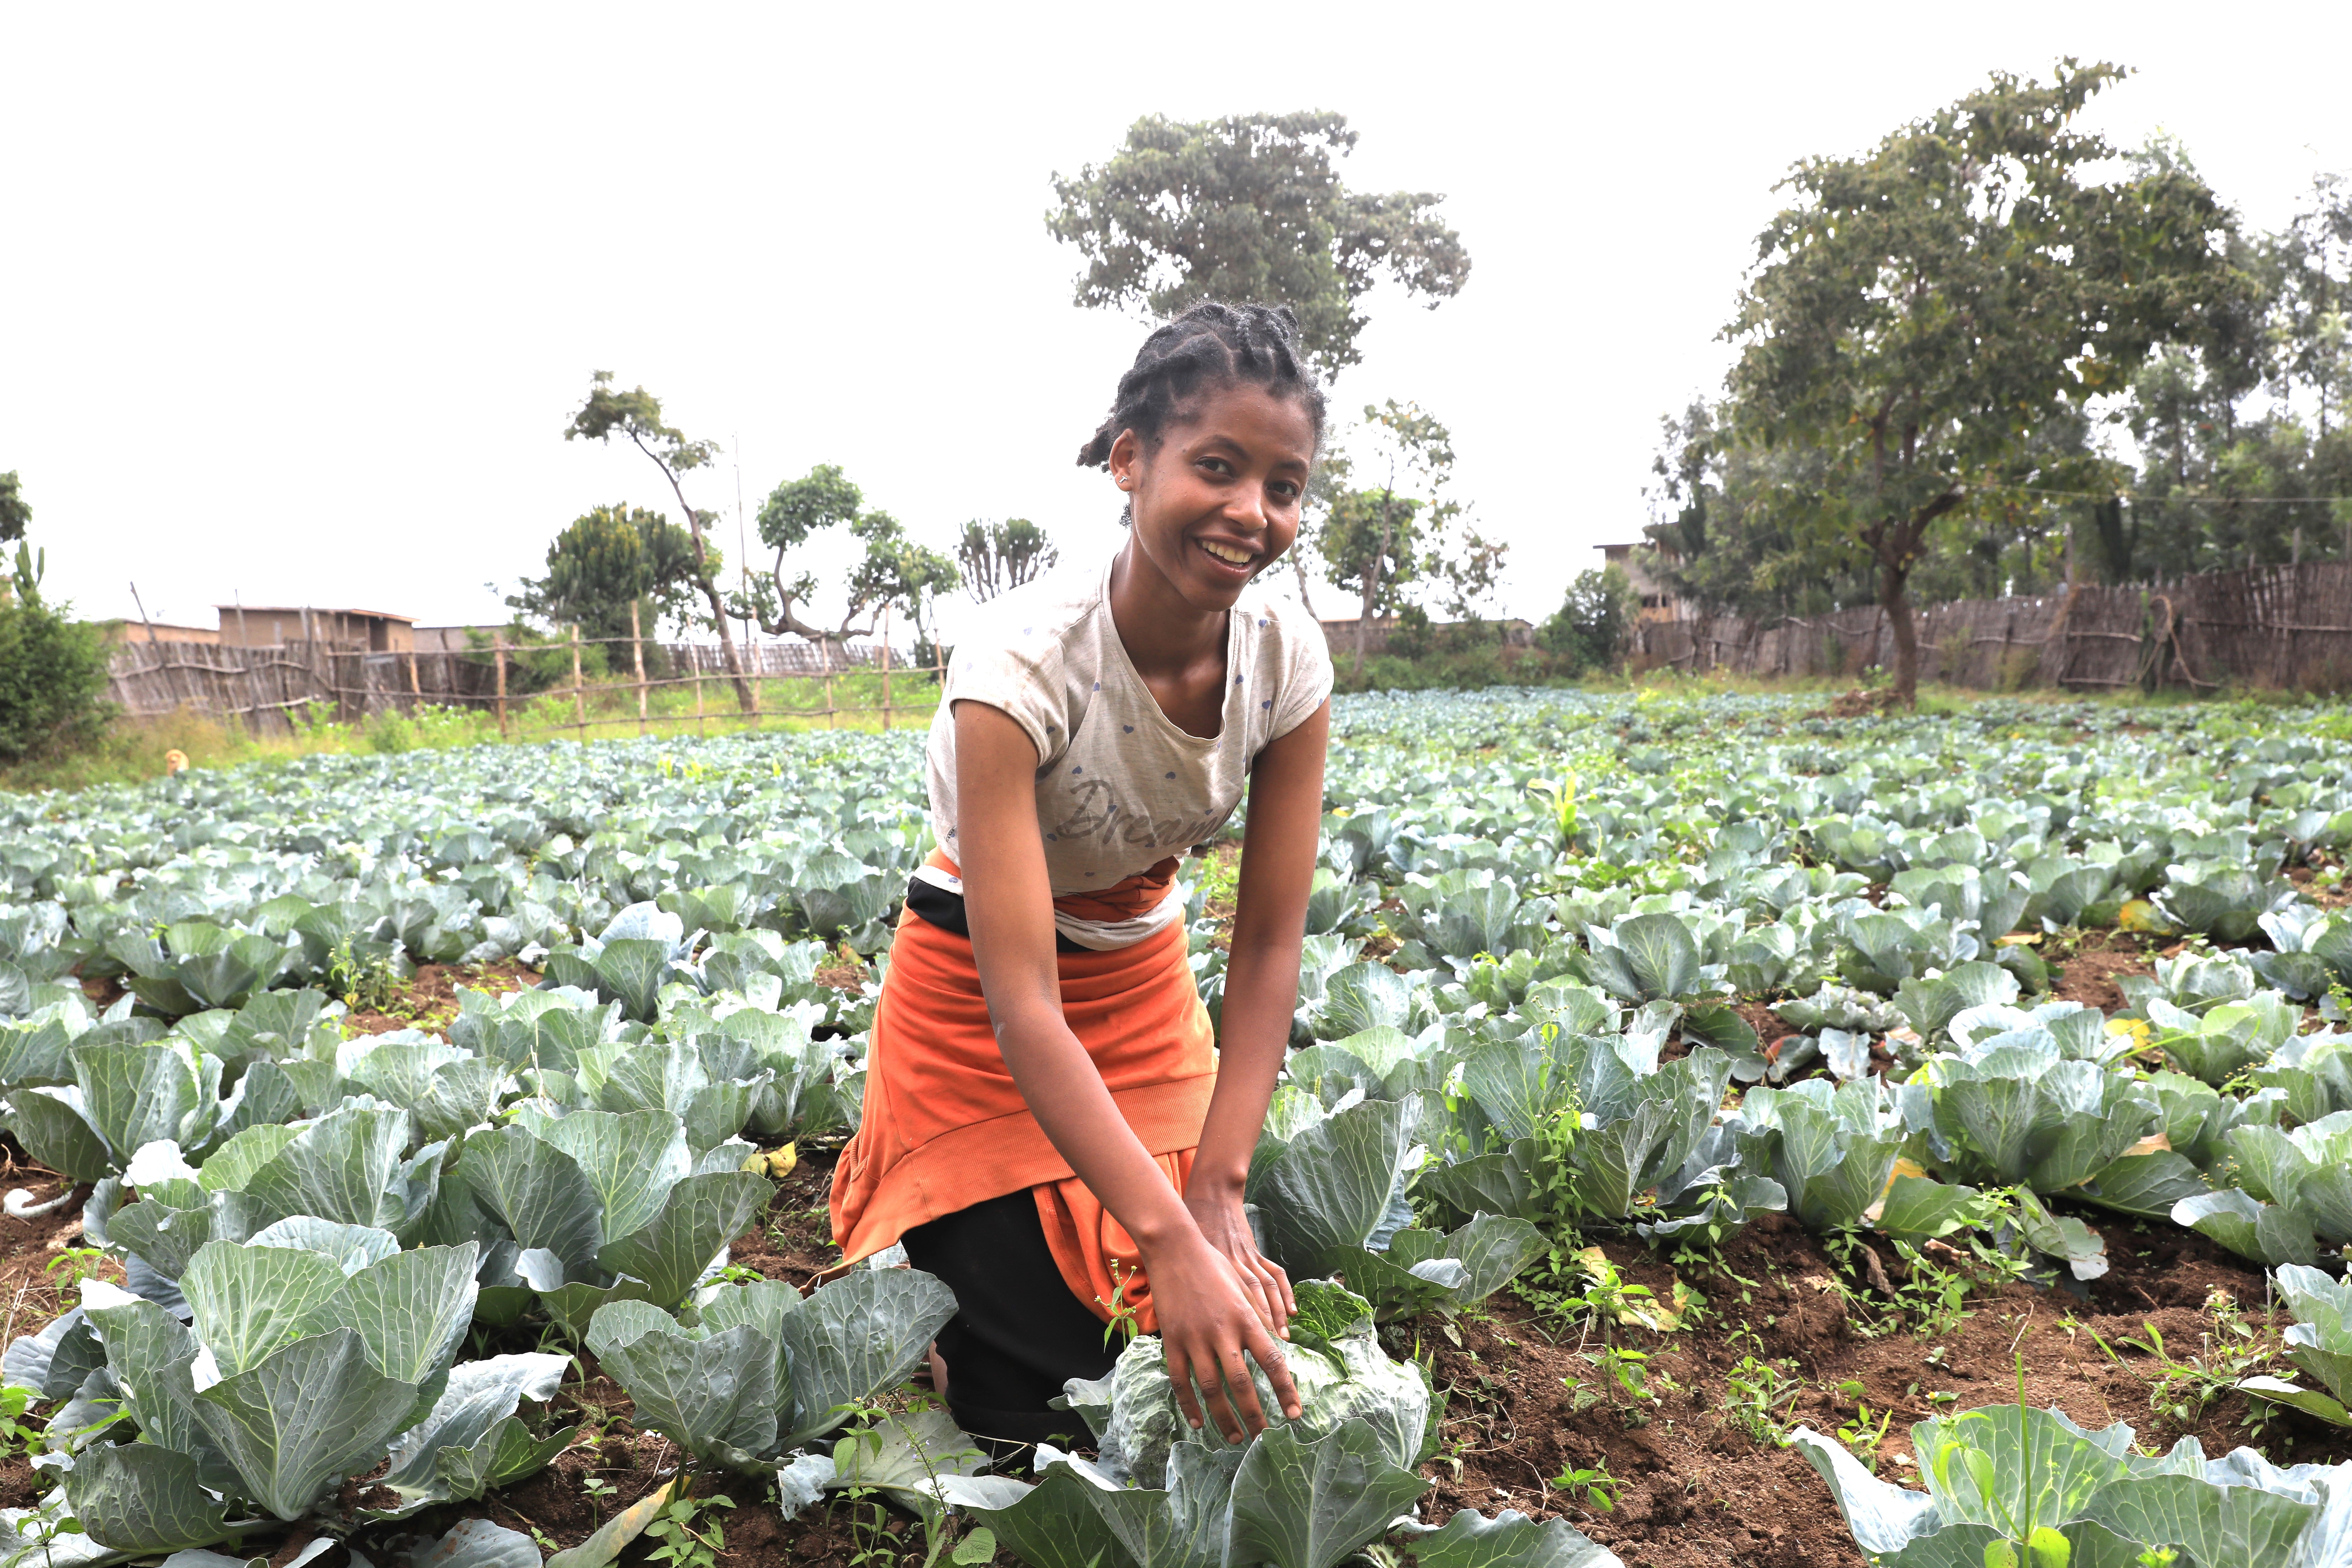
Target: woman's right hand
{"points": [[1210, 1334]]}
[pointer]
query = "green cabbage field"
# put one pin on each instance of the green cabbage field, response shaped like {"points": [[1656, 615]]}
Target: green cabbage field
{"points": [[1730, 1132]]}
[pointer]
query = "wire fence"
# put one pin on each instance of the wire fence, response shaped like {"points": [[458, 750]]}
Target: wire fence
{"points": [[647, 685], [2286, 627]]}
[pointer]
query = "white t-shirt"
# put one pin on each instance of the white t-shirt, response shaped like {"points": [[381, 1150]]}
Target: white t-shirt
{"points": [[1119, 787]]}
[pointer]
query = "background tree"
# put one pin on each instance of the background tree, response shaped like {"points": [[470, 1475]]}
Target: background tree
{"points": [[891, 570], [1918, 313], [1589, 629], [637, 415], [15, 516], [606, 560], [53, 668], [997, 556], [1382, 543], [1251, 208], [1371, 545]]}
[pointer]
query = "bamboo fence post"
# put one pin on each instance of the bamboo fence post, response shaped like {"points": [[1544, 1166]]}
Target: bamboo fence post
{"points": [[415, 687], [579, 689], [885, 668], [637, 654], [499, 656], [701, 730]]}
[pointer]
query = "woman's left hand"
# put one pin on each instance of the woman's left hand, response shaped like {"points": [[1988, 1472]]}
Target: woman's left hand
{"points": [[1226, 1228]]}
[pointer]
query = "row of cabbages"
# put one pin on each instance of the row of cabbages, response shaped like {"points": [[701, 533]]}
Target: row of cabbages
{"points": [[2009, 1477], [1517, 1064], [311, 1225]]}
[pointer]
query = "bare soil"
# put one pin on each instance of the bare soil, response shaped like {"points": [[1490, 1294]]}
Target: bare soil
{"points": [[2089, 973], [1525, 1398], [428, 1000]]}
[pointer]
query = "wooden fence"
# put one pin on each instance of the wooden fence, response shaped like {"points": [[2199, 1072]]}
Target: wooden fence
{"points": [[274, 689], [2282, 626]]}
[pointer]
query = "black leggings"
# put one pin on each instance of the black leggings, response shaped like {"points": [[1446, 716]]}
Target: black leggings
{"points": [[1018, 1334]]}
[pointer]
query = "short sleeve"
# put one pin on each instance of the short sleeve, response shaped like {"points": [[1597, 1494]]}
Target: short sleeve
{"points": [[1021, 672], [1304, 657]]}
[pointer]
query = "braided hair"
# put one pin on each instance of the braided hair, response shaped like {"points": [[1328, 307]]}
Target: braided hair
{"points": [[1210, 345]]}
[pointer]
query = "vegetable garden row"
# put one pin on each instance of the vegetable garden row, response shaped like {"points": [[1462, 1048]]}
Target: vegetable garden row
{"points": [[1590, 983]]}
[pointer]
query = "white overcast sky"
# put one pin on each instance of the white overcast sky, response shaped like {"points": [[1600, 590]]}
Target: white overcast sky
{"points": [[299, 300]]}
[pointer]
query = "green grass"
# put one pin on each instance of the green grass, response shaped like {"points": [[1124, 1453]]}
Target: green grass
{"points": [[134, 748]]}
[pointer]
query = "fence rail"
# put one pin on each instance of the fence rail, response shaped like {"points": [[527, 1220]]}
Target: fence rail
{"points": [[272, 688], [2279, 626]]}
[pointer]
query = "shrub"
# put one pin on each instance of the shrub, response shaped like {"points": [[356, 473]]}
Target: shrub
{"points": [[1591, 628], [52, 679]]}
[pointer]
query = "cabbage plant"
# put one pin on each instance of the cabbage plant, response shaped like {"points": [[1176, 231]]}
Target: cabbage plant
{"points": [[124, 1093], [316, 1352], [1302, 1494], [756, 1370], [2224, 900], [2319, 1341], [2012, 1485], [596, 1206], [2293, 1193]]}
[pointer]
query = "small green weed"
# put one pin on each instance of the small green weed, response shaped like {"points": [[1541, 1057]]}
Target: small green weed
{"points": [[1595, 1488], [683, 1538]]}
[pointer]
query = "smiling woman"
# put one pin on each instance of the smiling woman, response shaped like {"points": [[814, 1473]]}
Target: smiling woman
{"points": [[1050, 1123]]}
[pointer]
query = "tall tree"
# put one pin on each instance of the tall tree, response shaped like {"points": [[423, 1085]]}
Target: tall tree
{"points": [[15, 513], [606, 560], [637, 415], [892, 570], [997, 556], [2314, 332], [1251, 208], [1916, 313], [1382, 541]]}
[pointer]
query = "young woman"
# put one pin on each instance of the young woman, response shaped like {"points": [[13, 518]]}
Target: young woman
{"points": [[1050, 1125]]}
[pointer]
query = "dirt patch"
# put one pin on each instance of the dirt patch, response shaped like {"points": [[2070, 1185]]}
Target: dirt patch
{"points": [[844, 970], [1530, 1399], [793, 1238], [39, 1272], [2090, 973], [428, 999]]}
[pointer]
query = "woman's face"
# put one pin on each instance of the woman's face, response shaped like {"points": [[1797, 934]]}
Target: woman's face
{"points": [[1216, 502]]}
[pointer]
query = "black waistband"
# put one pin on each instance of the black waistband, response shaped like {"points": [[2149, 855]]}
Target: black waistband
{"points": [[945, 909]]}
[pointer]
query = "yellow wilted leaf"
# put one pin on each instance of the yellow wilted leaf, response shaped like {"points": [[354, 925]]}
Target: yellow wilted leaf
{"points": [[2019, 939], [2137, 1028], [2154, 1143], [775, 1164], [1904, 1167], [2139, 915]]}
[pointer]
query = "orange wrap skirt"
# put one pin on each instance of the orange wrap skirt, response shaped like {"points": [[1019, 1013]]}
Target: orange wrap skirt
{"points": [[944, 1127]]}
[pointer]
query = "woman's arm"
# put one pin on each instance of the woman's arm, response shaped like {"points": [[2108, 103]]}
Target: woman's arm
{"points": [[1278, 846], [1206, 1323]]}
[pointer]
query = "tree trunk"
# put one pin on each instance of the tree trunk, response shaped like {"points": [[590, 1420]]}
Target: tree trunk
{"points": [[709, 584], [718, 620], [1364, 620], [1896, 602]]}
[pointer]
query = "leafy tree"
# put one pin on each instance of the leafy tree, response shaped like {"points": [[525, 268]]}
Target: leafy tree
{"points": [[53, 668], [1251, 208], [1919, 312], [892, 570], [996, 556], [637, 415], [1588, 630], [606, 561], [2312, 327], [15, 516], [1380, 542]]}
